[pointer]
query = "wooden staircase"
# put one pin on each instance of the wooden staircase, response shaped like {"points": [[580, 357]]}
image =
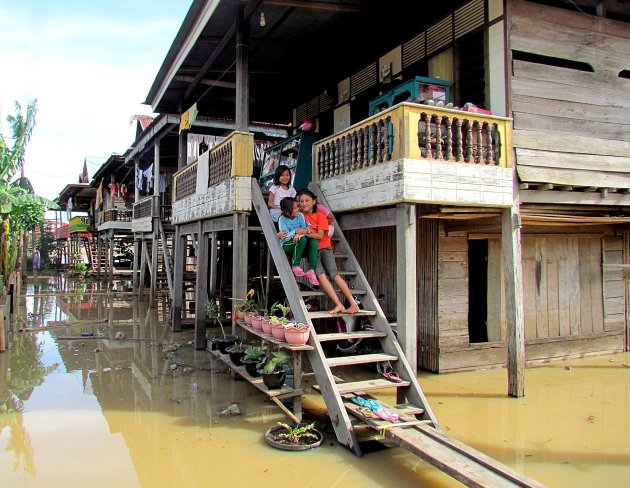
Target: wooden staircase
{"points": [[407, 391], [417, 429], [97, 263]]}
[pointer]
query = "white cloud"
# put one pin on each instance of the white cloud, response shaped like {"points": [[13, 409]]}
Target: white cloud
{"points": [[90, 75]]}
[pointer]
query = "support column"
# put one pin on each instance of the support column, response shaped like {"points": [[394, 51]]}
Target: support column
{"points": [[201, 289], [136, 255], [143, 266], [239, 257], [406, 308], [242, 75], [512, 264], [182, 156], [99, 251], [178, 278], [111, 255], [212, 286], [136, 164], [154, 220]]}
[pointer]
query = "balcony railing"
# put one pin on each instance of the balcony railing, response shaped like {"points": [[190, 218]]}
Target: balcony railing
{"points": [[415, 132], [61, 232], [116, 215], [185, 181], [232, 157], [142, 208], [78, 224]]}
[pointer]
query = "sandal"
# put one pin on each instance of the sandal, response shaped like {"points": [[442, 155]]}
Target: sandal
{"points": [[297, 271], [386, 414], [392, 376], [312, 278]]}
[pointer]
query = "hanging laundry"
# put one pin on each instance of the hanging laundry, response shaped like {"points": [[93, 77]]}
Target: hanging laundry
{"points": [[124, 192], [99, 195]]}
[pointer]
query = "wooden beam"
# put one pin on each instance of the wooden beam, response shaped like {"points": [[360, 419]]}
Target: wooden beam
{"points": [[201, 289], [242, 75], [545, 186], [589, 188], [336, 7], [206, 81], [511, 236], [178, 279], [406, 308], [523, 186], [368, 219], [239, 256]]}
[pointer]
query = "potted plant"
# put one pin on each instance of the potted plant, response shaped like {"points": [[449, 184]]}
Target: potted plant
{"points": [[273, 369], [223, 341], [294, 438], [237, 352], [253, 356], [297, 334], [260, 311], [277, 327], [242, 306]]}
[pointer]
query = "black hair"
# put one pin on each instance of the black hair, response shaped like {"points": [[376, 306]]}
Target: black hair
{"points": [[286, 206], [279, 170], [310, 194]]}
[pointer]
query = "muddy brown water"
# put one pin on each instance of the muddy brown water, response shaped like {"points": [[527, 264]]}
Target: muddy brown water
{"points": [[89, 410]]}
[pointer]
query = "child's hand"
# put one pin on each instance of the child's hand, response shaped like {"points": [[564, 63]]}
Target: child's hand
{"points": [[297, 237], [300, 232], [282, 234]]}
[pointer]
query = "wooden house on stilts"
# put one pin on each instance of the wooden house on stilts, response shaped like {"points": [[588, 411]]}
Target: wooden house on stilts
{"points": [[472, 153]]}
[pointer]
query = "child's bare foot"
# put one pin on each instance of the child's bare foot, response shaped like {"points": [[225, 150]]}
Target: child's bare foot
{"points": [[353, 309], [337, 309]]}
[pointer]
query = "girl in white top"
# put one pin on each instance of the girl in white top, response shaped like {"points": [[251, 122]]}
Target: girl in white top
{"points": [[281, 188]]}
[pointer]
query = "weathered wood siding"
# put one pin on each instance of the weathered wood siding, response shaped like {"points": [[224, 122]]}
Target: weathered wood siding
{"points": [[562, 284], [614, 288], [427, 278], [571, 127], [375, 250], [452, 291]]}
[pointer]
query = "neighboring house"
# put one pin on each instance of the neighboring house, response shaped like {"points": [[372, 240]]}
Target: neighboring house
{"points": [[481, 230]]}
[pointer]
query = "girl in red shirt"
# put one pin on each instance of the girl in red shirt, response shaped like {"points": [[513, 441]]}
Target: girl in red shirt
{"points": [[317, 228]]}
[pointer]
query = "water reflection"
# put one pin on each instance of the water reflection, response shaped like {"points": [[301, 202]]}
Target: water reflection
{"points": [[102, 393]]}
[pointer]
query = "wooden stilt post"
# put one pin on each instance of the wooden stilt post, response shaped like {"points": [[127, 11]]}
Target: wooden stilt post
{"points": [[178, 279], [406, 308], [201, 289], [111, 255], [99, 251], [239, 257], [143, 266], [511, 236], [242, 75], [136, 256], [155, 219], [212, 285]]}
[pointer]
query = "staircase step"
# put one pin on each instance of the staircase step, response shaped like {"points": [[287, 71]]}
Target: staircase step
{"points": [[347, 273], [317, 293], [342, 336], [366, 385], [325, 315], [360, 359], [408, 409]]}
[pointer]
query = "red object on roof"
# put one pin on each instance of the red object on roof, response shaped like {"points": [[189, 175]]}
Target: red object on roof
{"points": [[143, 120]]}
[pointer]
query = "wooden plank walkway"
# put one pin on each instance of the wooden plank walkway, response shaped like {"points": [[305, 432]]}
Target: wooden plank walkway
{"points": [[465, 464]]}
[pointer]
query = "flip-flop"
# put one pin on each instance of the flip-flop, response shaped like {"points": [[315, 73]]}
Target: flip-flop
{"points": [[362, 402], [297, 271], [392, 376], [312, 278], [386, 414]]}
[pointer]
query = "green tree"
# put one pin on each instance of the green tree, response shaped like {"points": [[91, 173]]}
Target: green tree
{"points": [[20, 208]]}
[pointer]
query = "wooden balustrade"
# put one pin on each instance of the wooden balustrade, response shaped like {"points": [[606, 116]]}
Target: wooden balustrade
{"points": [[220, 163], [142, 208], [185, 181], [116, 215], [416, 132]]}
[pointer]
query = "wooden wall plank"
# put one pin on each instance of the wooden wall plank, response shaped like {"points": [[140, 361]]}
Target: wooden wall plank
{"points": [[573, 161], [529, 283], [573, 177], [573, 267], [496, 293], [577, 144], [553, 300], [540, 263], [586, 307], [567, 125], [563, 283], [584, 110], [597, 297]]}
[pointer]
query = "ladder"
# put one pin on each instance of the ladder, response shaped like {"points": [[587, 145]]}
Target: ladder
{"points": [[333, 390], [98, 263]]}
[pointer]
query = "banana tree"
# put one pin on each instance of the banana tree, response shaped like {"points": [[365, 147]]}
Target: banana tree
{"points": [[20, 209]]}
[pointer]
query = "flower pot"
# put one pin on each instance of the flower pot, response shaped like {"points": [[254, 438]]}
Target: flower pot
{"points": [[251, 366], [240, 315], [236, 353], [275, 380], [222, 343], [257, 322], [277, 331], [248, 318], [266, 327], [297, 336], [285, 445]]}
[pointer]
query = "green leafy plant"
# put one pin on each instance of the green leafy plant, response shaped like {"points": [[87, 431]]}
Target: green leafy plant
{"points": [[276, 359], [297, 434], [214, 314], [278, 307], [253, 353], [245, 304], [80, 268]]}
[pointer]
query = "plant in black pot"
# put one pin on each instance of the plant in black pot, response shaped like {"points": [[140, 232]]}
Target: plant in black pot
{"points": [[294, 438], [274, 369], [237, 352], [253, 356], [223, 341]]}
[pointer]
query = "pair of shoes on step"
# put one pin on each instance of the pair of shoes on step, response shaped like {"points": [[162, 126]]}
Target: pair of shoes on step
{"points": [[299, 272]]}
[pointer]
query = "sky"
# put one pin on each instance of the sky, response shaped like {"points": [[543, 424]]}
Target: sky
{"points": [[90, 64]]}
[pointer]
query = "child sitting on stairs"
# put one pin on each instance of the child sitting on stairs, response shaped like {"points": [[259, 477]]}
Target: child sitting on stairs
{"points": [[293, 239]]}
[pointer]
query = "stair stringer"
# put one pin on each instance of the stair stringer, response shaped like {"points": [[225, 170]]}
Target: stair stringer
{"points": [[413, 392], [334, 403]]}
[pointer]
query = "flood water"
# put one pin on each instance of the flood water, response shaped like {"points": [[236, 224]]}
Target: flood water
{"points": [[79, 407]]}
